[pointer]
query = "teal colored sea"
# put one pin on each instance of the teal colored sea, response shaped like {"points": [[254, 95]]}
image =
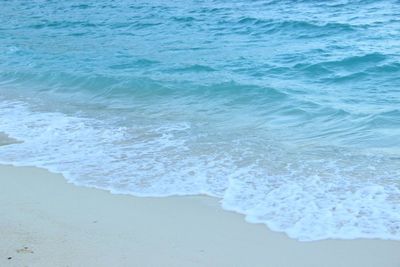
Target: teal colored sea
{"points": [[287, 111]]}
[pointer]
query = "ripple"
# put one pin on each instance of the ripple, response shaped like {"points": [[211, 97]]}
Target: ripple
{"points": [[269, 105]]}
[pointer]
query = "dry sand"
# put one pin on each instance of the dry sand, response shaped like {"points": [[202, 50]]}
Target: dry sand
{"points": [[44, 221]]}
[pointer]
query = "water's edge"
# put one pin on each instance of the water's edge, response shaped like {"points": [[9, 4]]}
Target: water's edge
{"points": [[6, 140]]}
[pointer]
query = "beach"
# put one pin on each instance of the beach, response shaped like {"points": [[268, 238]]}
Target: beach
{"points": [[286, 112], [200, 133], [46, 221]]}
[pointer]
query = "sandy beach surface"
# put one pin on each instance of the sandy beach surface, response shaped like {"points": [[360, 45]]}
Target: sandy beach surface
{"points": [[47, 222]]}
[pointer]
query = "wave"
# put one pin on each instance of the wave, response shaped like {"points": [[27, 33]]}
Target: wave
{"points": [[342, 193], [352, 62], [269, 107], [285, 110], [295, 28], [109, 86]]}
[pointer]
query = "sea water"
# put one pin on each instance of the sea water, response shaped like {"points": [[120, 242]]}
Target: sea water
{"points": [[287, 111]]}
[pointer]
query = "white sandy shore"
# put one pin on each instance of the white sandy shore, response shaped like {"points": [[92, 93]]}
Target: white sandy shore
{"points": [[48, 222]]}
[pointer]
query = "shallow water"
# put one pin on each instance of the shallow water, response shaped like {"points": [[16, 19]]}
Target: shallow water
{"points": [[289, 111]]}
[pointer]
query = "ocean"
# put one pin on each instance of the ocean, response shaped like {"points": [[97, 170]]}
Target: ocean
{"points": [[287, 111]]}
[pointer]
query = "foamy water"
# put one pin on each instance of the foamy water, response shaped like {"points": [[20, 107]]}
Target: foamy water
{"points": [[286, 111]]}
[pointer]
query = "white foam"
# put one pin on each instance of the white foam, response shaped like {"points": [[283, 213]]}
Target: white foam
{"points": [[308, 196]]}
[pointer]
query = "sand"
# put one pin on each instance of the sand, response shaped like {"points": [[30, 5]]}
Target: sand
{"points": [[44, 221]]}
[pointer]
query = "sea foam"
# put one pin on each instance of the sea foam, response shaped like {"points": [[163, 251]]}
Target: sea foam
{"points": [[287, 111], [309, 197]]}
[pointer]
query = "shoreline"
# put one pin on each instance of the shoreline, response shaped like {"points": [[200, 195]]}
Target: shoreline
{"points": [[49, 222]]}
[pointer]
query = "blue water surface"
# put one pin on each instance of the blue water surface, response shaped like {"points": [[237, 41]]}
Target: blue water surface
{"points": [[288, 111]]}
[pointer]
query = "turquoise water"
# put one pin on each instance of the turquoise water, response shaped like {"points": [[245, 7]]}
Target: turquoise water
{"points": [[288, 111]]}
